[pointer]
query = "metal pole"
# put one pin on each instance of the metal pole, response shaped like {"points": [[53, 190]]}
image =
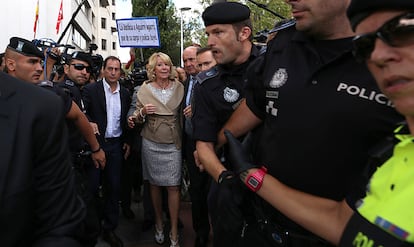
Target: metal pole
{"points": [[182, 38], [182, 33], [142, 55]]}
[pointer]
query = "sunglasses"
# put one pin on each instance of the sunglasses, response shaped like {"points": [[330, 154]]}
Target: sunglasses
{"points": [[79, 66], [397, 32]]}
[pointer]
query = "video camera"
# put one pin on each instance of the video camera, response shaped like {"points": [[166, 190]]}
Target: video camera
{"points": [[60, 59], [64, 56], [97, 61], [136, 77], [261, 36], [139, 73]]}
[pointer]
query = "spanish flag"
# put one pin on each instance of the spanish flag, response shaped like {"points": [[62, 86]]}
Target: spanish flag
{"points": [[60, 17], [36, 18]]}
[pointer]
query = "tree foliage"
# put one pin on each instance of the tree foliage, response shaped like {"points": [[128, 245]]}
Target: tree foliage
{"points": [[262, 19], [193, 29]]}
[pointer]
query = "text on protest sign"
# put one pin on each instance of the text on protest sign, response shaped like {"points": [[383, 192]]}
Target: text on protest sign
{"points": [[139, 32]]}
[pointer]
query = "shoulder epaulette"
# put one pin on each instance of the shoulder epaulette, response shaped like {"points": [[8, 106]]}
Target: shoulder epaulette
{"points": [[69, 83], [283, 24], [46, 84], [262, 50], [205, 75]]}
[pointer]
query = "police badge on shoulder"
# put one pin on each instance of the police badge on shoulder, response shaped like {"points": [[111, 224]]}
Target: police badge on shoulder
{"points": [[230, 95], [279, 78]]}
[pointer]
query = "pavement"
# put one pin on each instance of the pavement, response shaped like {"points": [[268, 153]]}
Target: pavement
{"points": [[129, 230]]}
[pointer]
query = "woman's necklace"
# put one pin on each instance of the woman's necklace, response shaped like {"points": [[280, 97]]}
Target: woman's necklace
{"points": [[163, 89]]}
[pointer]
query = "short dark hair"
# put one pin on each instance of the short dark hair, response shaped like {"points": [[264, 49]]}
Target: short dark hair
{"points": [[112, 58], [246, 23], [201, 50]]}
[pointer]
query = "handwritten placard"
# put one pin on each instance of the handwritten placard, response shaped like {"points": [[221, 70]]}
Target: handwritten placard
{"points": [[141, 32]]}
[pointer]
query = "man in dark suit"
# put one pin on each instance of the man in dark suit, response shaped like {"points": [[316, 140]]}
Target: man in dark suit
{"points": [[106, 104], [38, 203], [199, 181]]}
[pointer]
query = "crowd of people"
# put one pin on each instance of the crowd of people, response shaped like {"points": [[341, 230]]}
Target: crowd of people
{"points": [[309, 143]]}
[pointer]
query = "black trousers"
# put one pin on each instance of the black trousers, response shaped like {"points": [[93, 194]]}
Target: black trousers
{"points": [[199, 186], [90, 228], [131, 177]]}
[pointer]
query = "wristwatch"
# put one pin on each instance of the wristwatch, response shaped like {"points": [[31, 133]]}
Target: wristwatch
{"points": [[255, 180]]}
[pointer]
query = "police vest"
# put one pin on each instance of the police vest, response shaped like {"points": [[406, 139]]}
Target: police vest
{"points": [[390, 194]]}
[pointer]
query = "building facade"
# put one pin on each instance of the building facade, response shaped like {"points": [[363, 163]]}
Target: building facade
{"points": [[84, 22]]}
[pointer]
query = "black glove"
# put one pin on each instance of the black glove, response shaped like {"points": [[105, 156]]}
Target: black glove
{"points": [[229, 200], [238, 153]]}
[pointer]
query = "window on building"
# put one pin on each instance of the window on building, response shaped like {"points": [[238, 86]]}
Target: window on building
{"points": [[103, 44], [113, 2], [113, 16], [78, 39], [113, 45], [103, 23]]}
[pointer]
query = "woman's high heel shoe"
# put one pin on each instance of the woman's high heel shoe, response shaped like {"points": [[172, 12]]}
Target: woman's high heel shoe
{"points": [[159, 235], [174, 243]]}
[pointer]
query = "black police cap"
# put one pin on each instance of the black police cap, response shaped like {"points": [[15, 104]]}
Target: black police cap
{"points": [[360, 9], [225, 13], [24, 47], [82, 56]]}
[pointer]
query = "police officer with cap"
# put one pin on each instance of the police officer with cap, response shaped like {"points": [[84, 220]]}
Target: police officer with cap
{"points": [[24, 60], [77, 72], [217, 93], [78, 69]]}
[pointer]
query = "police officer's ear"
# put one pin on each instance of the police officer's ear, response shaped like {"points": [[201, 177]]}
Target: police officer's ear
{"points": [[245, 33], [10, 64]]}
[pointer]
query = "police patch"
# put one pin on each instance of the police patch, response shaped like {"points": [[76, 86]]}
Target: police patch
{"points": [[272, 94], [20, 46], [230, 95], [279, 78]]}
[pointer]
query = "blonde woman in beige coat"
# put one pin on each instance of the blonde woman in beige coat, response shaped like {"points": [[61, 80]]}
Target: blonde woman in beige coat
{"points": [[158, 110]]}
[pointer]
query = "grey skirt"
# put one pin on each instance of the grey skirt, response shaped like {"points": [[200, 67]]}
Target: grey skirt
{"points": [[161, 163]]}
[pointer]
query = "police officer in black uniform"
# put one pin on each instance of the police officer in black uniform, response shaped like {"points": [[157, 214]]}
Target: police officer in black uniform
{"points": [[77, 70], [217, 94], [321, 113], [76, 121]]}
